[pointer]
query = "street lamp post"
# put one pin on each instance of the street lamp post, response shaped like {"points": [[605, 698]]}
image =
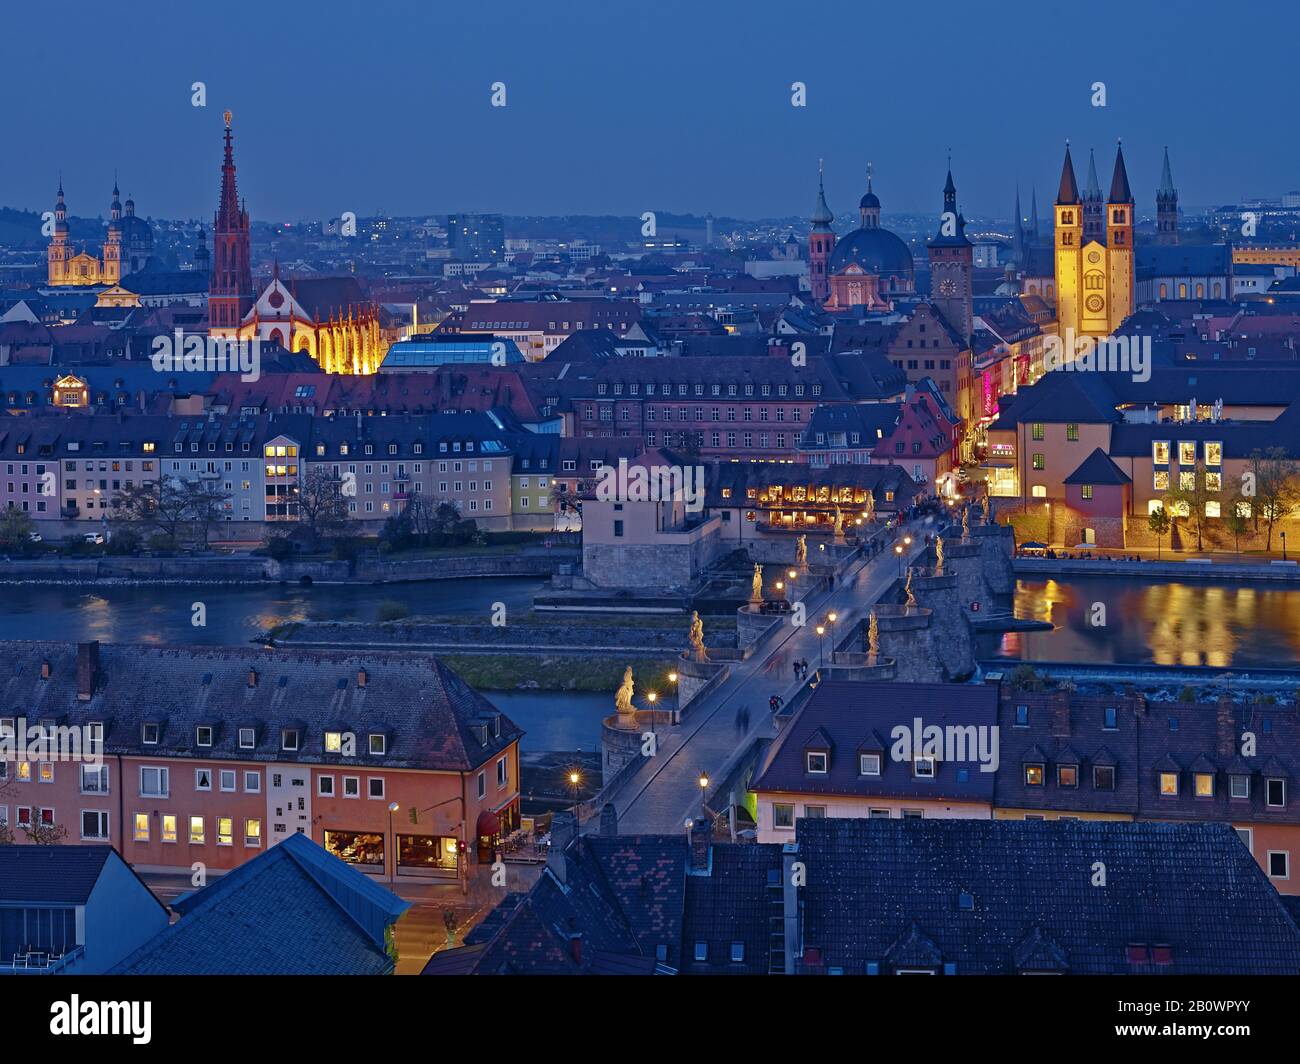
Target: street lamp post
{"points": [[392, 834], [821, 645], [898, 551], [704, 794]]}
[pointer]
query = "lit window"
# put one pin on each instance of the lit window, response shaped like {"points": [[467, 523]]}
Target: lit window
{"points": [[333, 742], [1034, 775], [225, 831], [1067, 775], [1169, 783], [1204, 784], [198, 833], [253, 832], [141, 827], [169, 827]]}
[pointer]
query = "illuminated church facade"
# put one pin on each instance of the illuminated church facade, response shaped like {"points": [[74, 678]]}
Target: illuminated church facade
{"points": [[126, 248], [330, 318], [1093, 249]]}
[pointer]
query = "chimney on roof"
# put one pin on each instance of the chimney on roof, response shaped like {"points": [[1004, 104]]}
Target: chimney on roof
{"points": [[252, 677], [790, 905], [608, 819], [45, 670], [87, 670], [361, 677], [1226, 727], [564, 829], [700, 836], [1061, 714]]}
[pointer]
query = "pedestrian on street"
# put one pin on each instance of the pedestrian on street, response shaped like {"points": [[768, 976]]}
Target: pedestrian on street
{"points": [[794, 665]]}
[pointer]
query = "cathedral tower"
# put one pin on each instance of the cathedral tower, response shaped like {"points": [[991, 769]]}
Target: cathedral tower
{"points": [[1119, 244], [821, 242], [951, 266], [230, 288], [1094, 208], [1166, 206], [1068, 246]]}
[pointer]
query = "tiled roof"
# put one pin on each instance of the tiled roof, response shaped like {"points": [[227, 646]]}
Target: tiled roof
{"points": [[432, 718], [293, 910], [1097, 468], [853, 713], [889, 893], [50, 874]]}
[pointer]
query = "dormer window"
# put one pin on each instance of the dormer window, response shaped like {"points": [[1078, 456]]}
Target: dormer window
{"points": [[333, 742], [923, 767], [1275, 792], [1203, 782], [1067, 775], [1022, 716], [1169, 784], [378, 744], [1238, 786], [203, 735], [816, 761], [149, 734], [1035, 772], [1110, 718], [869, 764], [289, 739], [247, 738]]}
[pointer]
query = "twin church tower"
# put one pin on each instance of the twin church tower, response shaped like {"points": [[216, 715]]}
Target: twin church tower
{"points": [[1094, 251]]}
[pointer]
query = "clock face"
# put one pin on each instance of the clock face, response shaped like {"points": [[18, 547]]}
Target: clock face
{"points": [[948, 287]]}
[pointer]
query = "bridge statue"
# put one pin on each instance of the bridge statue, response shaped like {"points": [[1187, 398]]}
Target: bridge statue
{"points": [[839, 523], [801, 551], [911, 598], [873, 634], [938, 553], [623, 697], [756, 585], [965, 523], [697, 636]]}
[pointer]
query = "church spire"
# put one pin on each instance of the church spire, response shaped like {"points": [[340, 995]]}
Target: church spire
{"points": [[821, 216], [1068, 193], [1093, 190], [1119, 190], [1167, 177]]}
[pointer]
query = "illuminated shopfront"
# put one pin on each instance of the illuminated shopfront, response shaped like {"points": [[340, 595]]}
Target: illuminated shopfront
{"points": [[433, 855], [362, 848]]}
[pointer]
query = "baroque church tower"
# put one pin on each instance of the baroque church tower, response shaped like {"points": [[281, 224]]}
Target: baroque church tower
{"points": [[821, 242], [230, 286], [1094, 270]]}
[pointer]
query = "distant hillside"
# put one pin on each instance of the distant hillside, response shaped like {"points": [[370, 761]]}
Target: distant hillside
{"points": [[22, 229]]}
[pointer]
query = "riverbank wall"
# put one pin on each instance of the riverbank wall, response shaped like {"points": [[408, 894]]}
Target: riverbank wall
{"points": [[249, 569]]}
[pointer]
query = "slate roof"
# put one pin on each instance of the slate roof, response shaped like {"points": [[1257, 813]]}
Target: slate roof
{"points": [[293, 910], [1184, 260], [1097, 468], [887, 892], [861, 716], [432, 718], [50, 874]]}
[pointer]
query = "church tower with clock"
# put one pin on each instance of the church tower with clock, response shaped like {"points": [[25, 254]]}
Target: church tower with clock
{"points": [[1094, 273], [951, 266]]}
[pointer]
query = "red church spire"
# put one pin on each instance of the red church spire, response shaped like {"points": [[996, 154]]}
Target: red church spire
{"points": [[230, 287]]}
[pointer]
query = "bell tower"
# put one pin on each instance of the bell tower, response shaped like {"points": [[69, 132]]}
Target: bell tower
{"points": [[57, 256], [1166, 206], [821, 242], [1119, 244], [230, 287], [951, 266], [1068, 247]]}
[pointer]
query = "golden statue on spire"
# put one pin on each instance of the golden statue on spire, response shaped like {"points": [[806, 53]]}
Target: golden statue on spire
{"points": [[227, 117]]}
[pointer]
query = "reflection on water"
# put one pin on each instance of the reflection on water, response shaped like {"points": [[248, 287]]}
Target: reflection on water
{"points": [[235, 614], [1159, 622]]}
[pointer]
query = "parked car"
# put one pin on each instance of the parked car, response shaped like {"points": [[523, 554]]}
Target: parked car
{"points": [[95, 537], [33, 537]]}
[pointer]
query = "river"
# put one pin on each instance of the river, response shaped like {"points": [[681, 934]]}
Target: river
{"points": [[1161, 622]]}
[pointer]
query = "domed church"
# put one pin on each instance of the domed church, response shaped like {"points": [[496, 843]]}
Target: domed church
{"points": [[866, 268]]}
